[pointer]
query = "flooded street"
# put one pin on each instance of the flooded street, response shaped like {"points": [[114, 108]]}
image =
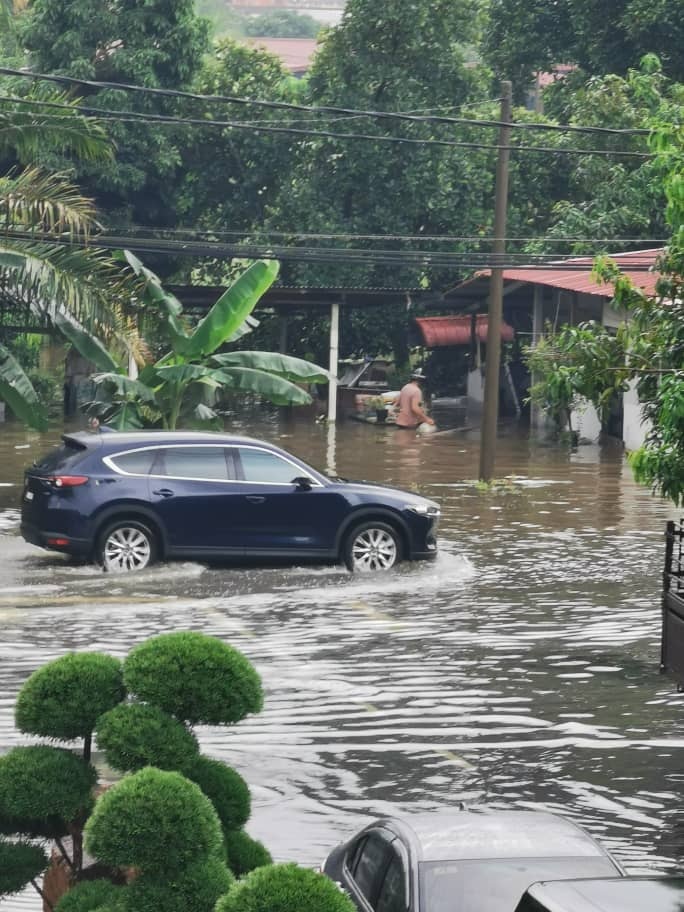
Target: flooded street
{"points": [[520, 669]]}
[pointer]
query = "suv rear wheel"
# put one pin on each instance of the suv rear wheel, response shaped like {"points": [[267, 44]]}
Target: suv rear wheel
{"points": [[126, 545], [372, 545]]}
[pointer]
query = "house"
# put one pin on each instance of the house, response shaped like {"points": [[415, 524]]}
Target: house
{"points": [[295, 54], [557, 293]]}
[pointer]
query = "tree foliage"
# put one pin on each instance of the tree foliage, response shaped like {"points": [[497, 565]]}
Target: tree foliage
{"points": [[192, 889], [195, 677], [134, 735], [282, 24], [20, 863], [243, 853], [90, 895], [225, 788], [64, 698], [282, 888], [600, 36], [153, 820]]}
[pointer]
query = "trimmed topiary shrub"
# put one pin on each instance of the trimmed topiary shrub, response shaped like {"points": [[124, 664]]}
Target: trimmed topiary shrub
{"points": [[244, 854], [90, 895], [195, 889], [153, 820], [64, 698], [20, 863], [134, 735], [225, 788], [285, 888], [195, 677], [38, 783]]}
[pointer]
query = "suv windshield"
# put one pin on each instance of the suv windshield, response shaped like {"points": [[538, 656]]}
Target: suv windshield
{"points": [[496, 885], [61, 458]]}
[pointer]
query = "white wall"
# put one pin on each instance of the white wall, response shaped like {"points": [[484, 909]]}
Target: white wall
{"points": [[476, 385], [634, 429], [586, 422]]}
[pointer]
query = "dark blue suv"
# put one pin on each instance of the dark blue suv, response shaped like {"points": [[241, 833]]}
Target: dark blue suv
{"points": [[128, 499]]}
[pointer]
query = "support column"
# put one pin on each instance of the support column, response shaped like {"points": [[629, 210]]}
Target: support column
{"points": [[333, 364], [282, 341]]}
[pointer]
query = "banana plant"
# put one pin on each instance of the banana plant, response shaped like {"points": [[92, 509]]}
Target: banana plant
{"points": [[183, 384]]}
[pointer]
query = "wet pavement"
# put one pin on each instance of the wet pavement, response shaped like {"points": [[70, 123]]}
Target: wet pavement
{"points": [[519, 670]]}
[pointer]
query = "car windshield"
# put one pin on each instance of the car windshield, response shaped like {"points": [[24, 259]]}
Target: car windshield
{"points": [[60, 458], [496, 885]]}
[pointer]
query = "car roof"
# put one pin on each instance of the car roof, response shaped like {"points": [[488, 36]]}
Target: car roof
{"points": [[624, 894], [489, 833], [116, 439]]}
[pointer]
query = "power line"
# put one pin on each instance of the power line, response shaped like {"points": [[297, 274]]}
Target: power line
{"points": [[162, 119], [232, 99], [439, 238], [435, 259]]}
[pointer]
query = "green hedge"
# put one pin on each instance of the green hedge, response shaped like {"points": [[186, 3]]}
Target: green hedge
{"points": [[134, 735], [195, 889], [20, 863], [285, 888], [195, 677], [63, 699], [153, 820], [40, 782], [225, 788], [244, 854], [90, 895]]}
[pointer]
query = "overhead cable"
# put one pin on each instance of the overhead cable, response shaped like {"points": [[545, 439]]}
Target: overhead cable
{"points": [[396, 115]]}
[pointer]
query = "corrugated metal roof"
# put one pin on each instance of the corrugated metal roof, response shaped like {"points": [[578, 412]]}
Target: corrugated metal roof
{"points": [[453, 330], [570, 276]]}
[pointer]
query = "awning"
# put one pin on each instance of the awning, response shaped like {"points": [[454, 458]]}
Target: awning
{"points": [[437, 332]]}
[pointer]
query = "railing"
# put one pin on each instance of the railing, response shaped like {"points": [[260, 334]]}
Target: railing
{"points": [[672, 638]]}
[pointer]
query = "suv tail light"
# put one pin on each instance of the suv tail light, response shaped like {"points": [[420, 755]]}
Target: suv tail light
{"points": [[67, 481]]}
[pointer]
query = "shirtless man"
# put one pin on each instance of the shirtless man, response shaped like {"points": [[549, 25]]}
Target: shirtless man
{"points": [[411, 414]]}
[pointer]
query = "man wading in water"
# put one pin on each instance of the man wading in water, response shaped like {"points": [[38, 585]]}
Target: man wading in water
{"points": [[411, 414]]}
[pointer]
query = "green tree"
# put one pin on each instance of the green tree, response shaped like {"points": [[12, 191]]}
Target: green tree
{"points": [[600, 36], [183, 383], [158, 44], [282, 24], [282, 888]]}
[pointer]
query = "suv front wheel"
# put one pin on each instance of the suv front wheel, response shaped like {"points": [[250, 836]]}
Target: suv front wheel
{"points": [[372, 545], [126, 545]]}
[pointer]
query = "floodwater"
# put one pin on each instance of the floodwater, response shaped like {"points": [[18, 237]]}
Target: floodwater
{"points": [[519, 670]]}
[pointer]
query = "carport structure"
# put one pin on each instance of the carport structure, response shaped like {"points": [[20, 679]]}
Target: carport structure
{"points": [[284, 302]]}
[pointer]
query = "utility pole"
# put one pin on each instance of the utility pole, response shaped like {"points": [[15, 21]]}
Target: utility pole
{"points": [[490, 414]]}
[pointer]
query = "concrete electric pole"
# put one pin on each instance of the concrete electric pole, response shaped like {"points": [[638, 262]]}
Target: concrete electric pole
{"points": [[490, 413]]}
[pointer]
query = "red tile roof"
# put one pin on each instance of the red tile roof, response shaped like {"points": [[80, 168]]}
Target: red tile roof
{"points": [[570, 276], [296, 54]]}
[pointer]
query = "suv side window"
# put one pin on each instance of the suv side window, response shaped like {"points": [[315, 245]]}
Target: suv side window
{"points": [[370, 865], [392, 896], [135, 462], [264, 466], [198, 463]]}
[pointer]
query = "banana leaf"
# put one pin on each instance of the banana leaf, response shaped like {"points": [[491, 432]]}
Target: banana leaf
{"points": [[274, 388], [188, 373], [16, 390], [156, 295], [85, 343], [231, 310], [250, 324], [124, 386], [275, 363]]}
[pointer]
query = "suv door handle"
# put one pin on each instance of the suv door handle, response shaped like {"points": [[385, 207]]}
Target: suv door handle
{"points": [[255, 498], [164, 492]]}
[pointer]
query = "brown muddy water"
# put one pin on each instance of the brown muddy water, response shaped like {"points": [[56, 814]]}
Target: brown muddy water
{"points": [[519, 670]]}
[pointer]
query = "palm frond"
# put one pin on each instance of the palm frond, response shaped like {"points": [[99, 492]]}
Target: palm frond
{"points": [[30, 130], [35, 200]]}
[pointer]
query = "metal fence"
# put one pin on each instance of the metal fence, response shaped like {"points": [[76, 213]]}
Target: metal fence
{"points": [[672, 640]]}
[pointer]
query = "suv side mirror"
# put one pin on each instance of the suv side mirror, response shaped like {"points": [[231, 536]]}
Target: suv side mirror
{"points": [[303, 483]]}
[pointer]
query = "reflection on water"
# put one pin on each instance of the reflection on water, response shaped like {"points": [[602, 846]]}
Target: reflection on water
{"points": [[520, 669]]}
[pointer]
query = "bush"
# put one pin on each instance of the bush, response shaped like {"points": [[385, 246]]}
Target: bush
{"points": [[20, 863], [195, 889], [89, 895], [195, 677], [39, 783], [244, 854], [134, 735], [157, 821], [285, 888], [64, 698], [225, 788]]}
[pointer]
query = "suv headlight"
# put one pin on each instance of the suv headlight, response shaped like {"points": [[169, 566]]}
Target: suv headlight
{"points": [[423, 509]]}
